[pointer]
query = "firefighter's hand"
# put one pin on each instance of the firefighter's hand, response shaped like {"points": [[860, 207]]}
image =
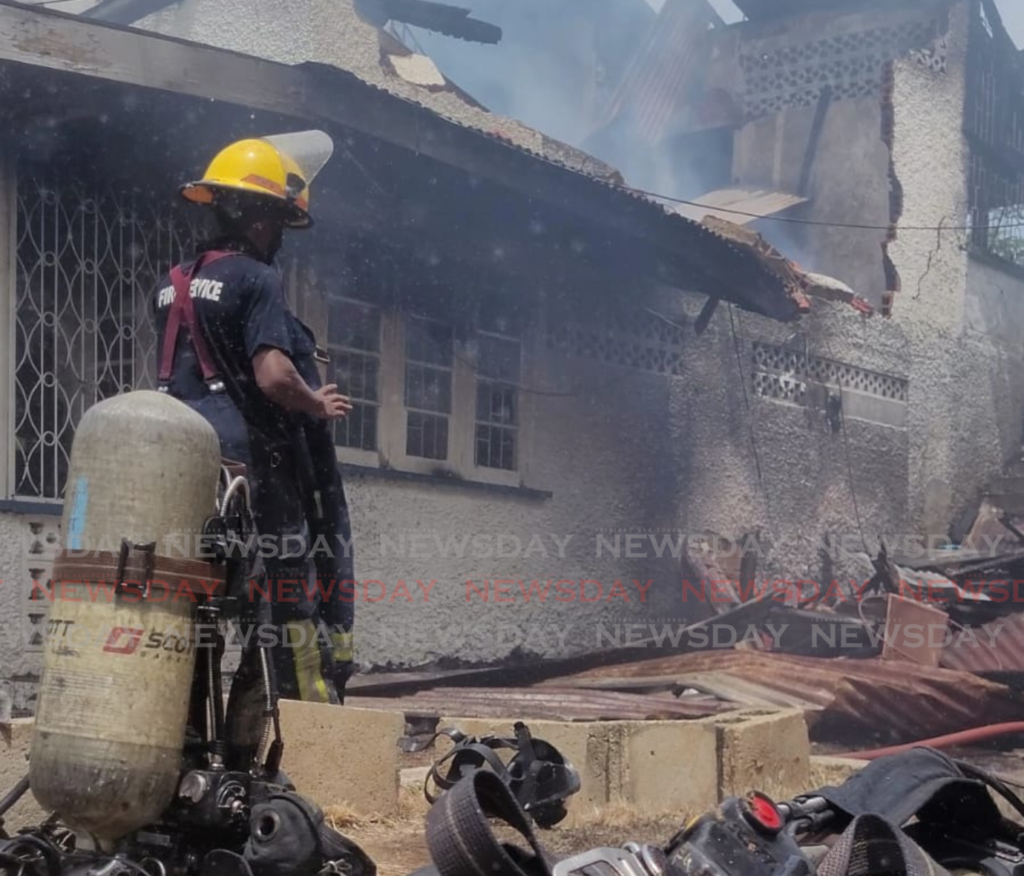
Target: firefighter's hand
{"points": [[333, 405]]}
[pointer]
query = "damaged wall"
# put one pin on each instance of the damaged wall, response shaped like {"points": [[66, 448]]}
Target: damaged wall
{"points": [[965, 344], [891, 149], [768, 410], [777, 151], [815, 95]]}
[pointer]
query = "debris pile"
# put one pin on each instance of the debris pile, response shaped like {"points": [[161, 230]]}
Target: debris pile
{"points": [[925, 646]]}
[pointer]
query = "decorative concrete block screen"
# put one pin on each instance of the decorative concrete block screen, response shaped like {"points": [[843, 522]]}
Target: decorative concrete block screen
{"points": [[640, 340], [780, 73], [786, 375]]}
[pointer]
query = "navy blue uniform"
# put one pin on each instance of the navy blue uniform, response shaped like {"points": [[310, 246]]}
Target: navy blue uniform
{"points": [[240, 307]]}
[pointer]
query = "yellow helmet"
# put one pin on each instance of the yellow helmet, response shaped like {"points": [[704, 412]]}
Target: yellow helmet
{"points": [[281, 167]]}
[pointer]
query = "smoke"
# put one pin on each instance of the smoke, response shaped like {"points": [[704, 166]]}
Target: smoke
{"points": [[558, 68], [555, 60]]}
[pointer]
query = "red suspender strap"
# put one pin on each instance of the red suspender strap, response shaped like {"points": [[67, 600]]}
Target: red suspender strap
{"points": [[182, 310]]}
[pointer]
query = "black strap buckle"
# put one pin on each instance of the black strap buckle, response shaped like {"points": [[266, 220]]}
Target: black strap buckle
{"points": [[128, 549]]}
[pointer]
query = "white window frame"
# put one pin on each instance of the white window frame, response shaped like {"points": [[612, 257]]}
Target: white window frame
{"points": [[358, 455], [398, 438], [483, 472], [392, 419]]}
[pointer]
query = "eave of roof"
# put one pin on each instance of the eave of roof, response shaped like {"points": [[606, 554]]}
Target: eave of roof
{"points": [[727, 266]]}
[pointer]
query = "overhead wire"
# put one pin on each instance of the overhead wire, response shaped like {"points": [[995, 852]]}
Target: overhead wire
{"points": [[846, 447]]}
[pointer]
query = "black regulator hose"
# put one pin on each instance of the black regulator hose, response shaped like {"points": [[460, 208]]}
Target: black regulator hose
{"points": [[13, 796]]}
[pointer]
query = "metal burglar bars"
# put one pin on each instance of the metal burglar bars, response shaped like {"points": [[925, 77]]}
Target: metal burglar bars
{"points": [[994, 126], [88, 261]]}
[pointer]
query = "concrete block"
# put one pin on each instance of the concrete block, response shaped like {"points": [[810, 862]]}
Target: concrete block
{"points": [[671, 766], [15, 743], [833, 771], [764, 750], [343, 755], [664, 766]]}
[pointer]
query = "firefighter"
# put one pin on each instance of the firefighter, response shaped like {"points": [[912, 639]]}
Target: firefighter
{"points": [[228, 349]]}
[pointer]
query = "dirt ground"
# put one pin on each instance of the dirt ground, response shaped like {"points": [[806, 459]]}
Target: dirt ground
{"points": [[398, 847]]}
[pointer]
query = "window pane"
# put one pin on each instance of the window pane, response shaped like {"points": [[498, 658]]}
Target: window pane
{"points": [[354, 325], [428, 389], [358, 429], [495, 403], [428, 342], [427, 436], [495, 448], [357, 375], [498, 359]]}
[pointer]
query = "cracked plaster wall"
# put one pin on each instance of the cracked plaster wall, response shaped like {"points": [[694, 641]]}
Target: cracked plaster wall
{"points": [[960, 319], [957, 324]]}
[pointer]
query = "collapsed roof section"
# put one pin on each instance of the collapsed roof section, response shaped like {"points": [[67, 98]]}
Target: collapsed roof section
{"points": [[712, 260]]}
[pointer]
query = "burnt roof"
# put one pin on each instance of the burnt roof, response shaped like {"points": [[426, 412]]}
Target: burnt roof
{"points": [[689, 255]]}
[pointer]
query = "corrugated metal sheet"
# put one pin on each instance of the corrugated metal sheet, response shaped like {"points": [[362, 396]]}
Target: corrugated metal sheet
{"points": [[732, 205], [860, 699], [656, 88], [996, 647], [552, 703]]}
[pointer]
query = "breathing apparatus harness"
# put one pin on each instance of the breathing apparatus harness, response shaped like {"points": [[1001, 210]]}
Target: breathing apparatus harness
{"points": [[182, 313], [540, 778]]}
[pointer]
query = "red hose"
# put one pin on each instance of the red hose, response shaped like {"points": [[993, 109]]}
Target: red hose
{"points": [[964, 737]]}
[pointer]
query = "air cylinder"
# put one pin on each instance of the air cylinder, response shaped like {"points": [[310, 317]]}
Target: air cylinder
{"points": [[120, 654]]}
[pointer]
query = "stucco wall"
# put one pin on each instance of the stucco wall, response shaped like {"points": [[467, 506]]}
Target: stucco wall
{"points": [[601, 454], [814, 481], [953, 416], [600, 446], [641, 451], [958, 320], [27, 544]]}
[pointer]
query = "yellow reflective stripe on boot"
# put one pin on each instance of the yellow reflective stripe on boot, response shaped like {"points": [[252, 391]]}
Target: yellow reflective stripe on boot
{"points": [[308, 662], [343, 647]]}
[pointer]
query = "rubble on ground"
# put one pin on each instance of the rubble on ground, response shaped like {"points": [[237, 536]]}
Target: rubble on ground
{"points": [[926, 645]]}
